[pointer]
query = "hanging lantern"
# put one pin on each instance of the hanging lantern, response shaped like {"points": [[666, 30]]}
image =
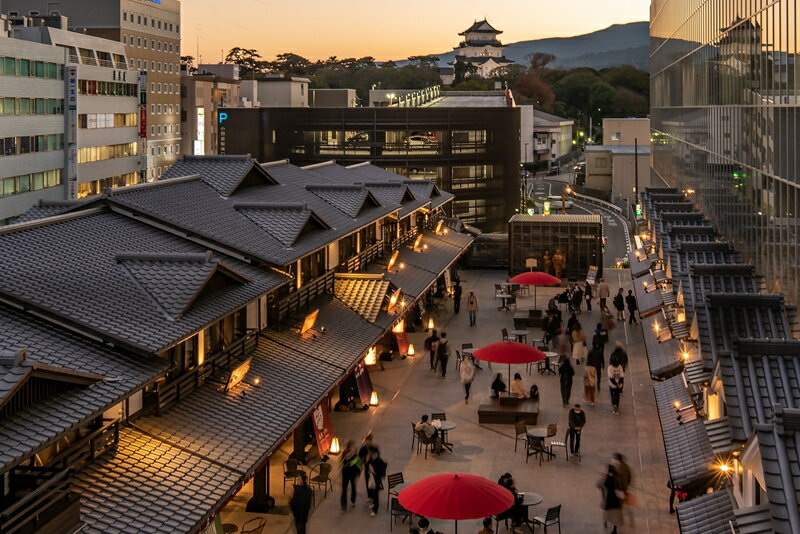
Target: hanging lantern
{"points": [[372, 357], [430, 323], [373, 399], [334, 446], [410, 350]]}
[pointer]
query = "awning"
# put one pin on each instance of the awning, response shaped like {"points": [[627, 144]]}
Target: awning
{"points": [[665, 358], [649, 302], [711, 513], [641, 262]]}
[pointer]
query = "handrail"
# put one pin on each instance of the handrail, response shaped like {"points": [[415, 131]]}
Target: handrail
{"points": [[364, 258], [603, 203], [35, 494], [74, 450]]}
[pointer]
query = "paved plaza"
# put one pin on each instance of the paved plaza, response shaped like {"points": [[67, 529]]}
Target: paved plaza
{"points": [[407, 389]]}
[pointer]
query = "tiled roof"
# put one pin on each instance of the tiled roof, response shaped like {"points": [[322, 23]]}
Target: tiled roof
{"points": [[349, 199], [15, 372], [648, 302], [363, 295], [757, 376], [411, 280], [689, 455], [149, 486], [711, 513], [225, 174], [48, 208], [665, 358], [284, 222], [779, 445], [24, 433], [640, 267], [66, 267]]}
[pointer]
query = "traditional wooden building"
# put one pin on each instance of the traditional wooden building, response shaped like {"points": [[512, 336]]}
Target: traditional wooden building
{"points": [[481, 49]]}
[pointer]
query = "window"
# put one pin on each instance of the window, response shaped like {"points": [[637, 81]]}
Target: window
{"points": [[152, 44], [101, 153], [139, 64], [14, 146], [145, 21], [132, 63], [125, 16], [616, 136], [145, 64], [139, 42], [159, 24], [159, 88], [159, 46], [29, 182], [96, 187], [159, 66], [139, 19], [125, 39], [23, 67], [158, 129], [152, 109], [159, 109], [152, 131]]}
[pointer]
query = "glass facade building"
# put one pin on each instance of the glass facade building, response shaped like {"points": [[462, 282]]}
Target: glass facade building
{"points": [[724, 114]]}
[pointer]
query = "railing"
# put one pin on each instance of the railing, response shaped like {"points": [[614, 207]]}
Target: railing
{"points": [[48, 498], [89, 447], [169, 393], [303, 296], [364, 258], [405, 237]]}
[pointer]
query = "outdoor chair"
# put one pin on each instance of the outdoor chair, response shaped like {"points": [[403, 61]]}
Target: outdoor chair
{"points": [[459, 359], [392, 481], [551, 517], [396, 510], [511, 301], [534, 447], [521, 433], [504, 332], [424, 441], [291, 470], [559, 443], [322, 477], [413, 434], [254, 526]]}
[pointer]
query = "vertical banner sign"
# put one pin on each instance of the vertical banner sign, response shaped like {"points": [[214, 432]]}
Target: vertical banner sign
{"points": [[322, 426], [72, 133], [402, 342], [143, 126], [364, 383]]}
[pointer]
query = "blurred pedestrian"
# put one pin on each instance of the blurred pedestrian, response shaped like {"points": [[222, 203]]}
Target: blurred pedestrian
{"points": [[443, 353], [376, 468], [577, 298], [625, 479], [431, 345], [589, 382], [597, 360], [562, 343], [630, 300], [363, 453], [603, 292], [619, 304], [587, 296], [578, 337], [467, 374], [616, 380], [621, 355], [472, 308], [351, 470], [600, 336], [612, 501], [457, 290], [300, 503], [565, 374]]}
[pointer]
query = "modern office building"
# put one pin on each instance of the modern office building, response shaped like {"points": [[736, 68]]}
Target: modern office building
{"points": [[277, 91], [724, 112], [626, 131], [203, 93], [103, 129], [615, 171], [552, 137], [466, 143], [150, 32]]}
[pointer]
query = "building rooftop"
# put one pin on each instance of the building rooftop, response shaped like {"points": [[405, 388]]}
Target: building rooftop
{"points": [[620, 150], [556, 218], [471, 101]]}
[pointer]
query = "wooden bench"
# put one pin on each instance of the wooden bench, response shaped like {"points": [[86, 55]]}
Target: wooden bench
{"points": [[508, 410]]}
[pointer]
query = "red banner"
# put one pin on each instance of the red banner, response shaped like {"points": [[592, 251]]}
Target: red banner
{"points": [[402, 342], [142, 121], [364, 383], [322, 426]]}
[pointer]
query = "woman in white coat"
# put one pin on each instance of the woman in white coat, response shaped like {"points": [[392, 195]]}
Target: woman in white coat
{"points": [[467, 373]]}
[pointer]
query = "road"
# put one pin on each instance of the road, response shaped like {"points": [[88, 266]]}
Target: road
{"points": [[614, 226]]}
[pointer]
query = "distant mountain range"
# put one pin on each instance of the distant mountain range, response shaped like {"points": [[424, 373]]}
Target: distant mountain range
{"points": [[619, 44]]}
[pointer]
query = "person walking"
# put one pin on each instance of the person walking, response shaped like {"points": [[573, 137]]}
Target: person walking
{"points": [[576, 421], [577, 297], [589, 383], [376, 468], [630, 300], [467, 374], [612, 503], [351, 470], [620, 354], [616, 380], [443, 353], [472, 308], [600, 336], [562, 343], [363, 453], [431, 345], [578, 337], [596, 360], [565, 374], [603, 292], [457, 298], [587, 296], [300, 503], [619, 304], [625, 479]]}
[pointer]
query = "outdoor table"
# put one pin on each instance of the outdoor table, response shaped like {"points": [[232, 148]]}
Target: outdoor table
{"points": [[400, 487], [541, 433], [521, 335], [444, 426], [468, 352], [505, 298], [548, 365], [529, 499]]}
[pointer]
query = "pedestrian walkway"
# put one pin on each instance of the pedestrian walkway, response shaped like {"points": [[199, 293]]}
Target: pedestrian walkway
{"points": [[407, 389]]}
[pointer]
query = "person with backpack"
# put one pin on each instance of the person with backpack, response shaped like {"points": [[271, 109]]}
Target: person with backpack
{"points": [[619, 304], [443, 352], [600, 337], [431, 344], [565, 374], [351, 470], [596, 360], [376, 468]]}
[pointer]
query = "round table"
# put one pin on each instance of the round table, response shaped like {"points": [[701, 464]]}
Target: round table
{"points": [[468, 352], [538, 431], [530, 498], [400, 487], [520, 335], [504, 298], [548, 365], [443, 427]]}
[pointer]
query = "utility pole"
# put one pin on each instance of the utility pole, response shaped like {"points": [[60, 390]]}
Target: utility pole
{"points": [[638, 206]]}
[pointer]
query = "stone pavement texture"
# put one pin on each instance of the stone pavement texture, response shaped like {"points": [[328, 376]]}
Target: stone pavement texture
{"points": [[408, 389]]}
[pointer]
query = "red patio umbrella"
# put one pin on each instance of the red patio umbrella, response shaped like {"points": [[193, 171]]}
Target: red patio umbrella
{"points": [[509, 352], [456, 496], [535, 278]]}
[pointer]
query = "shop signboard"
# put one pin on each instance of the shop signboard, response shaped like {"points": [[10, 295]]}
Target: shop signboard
{"points": [[323, 429], [238, 374], [364, 383]]}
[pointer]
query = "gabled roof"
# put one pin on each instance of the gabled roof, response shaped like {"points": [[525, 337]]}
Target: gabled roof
{"points": [[351, 200], [711, 513], [226, 174], [284, 222], [176, 281], [481, 26], [364, 294], [779, 445]]}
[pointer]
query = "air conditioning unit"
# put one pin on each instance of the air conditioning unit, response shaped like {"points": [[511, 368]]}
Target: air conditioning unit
{"points": [[13, 13], [33, 13]]}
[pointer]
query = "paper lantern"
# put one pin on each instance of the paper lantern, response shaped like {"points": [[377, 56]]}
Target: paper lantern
{"points": [[373, 399], [334, 446], [372, 357], [430, 324], [410, 350]]}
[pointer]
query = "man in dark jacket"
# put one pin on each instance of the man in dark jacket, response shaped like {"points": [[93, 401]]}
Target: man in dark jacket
{"points": [[619, 305], [597, 360], [630, 300], [300, 504], [565, 374], [457, 298], [576, 421], [621, 355]]}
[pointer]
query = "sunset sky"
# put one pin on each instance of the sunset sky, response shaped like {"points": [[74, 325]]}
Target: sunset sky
{"points": [[386, 30]]}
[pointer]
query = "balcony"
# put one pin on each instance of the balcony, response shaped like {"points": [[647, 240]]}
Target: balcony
{"points": [[363, 258], [88, 447], [406, 237], [303, 296], [40, 500]]}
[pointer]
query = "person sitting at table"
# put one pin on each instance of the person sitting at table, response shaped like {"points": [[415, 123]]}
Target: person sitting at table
{"points": [[487, 526], [518, 388], [534, 392], [498, 386], [504, 480], [431, 432], [517, 512], [552, 305]]}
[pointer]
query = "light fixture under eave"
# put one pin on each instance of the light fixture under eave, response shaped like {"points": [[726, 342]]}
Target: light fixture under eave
{"points": [[393, 260], [417, 243], [372, 356], [257, 381], [335, 449], [439, 226], [686, 356], [373, 399]]}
